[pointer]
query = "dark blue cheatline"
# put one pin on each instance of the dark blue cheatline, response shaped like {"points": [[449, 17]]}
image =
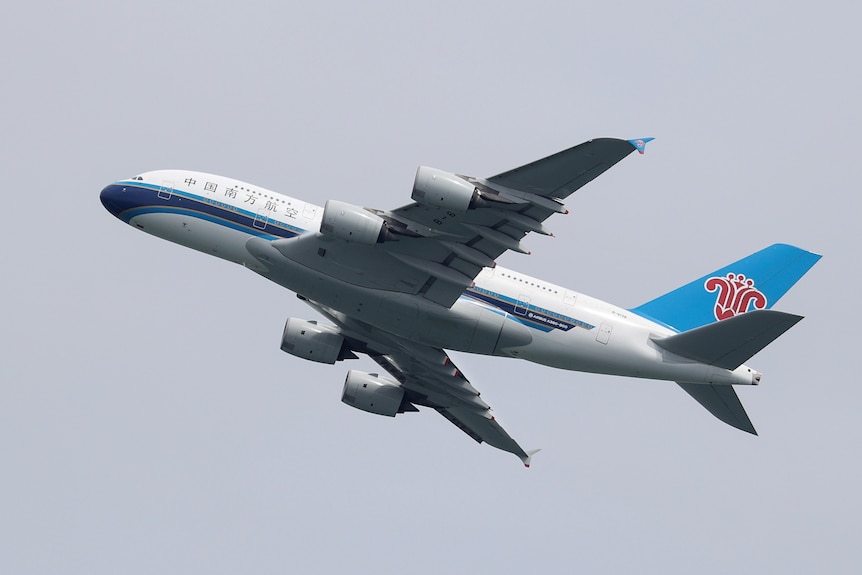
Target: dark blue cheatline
{"points": [[126, 200], [532, 316]]}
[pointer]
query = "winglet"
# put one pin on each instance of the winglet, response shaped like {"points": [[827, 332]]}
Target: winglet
{"points": [[640, 144], [529, 456]]}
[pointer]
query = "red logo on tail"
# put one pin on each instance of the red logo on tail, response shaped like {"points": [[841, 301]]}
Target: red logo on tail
{"points": [[736, 295]]}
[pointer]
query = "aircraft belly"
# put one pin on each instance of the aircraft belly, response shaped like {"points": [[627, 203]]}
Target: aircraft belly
{"points": [[623, 349], [201, 235], [471, 328], [394, 312], [466, 326], [470, 325]]}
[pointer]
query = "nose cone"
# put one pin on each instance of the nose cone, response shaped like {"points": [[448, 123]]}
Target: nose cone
{"points": [[116, 198]]}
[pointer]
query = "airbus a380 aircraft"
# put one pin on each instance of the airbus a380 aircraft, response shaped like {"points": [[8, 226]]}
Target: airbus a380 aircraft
{"points": [[403, 285]]}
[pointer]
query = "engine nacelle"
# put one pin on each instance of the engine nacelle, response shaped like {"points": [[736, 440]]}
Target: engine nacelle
{"points": [[310, 340], [439, 189], [368, 392], [351, 223]]}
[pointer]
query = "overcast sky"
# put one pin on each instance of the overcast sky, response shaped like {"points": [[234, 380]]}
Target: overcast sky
{"points": [[149, 422]]}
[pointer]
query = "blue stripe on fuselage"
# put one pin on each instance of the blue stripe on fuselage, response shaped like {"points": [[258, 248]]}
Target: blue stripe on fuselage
{"points": [[532, 316], [128, 199]]}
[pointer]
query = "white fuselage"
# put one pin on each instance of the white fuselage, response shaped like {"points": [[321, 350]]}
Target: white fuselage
{"points": [[504, 313]]}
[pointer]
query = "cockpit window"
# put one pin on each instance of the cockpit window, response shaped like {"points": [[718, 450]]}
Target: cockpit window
{"points": [[138, 178]]}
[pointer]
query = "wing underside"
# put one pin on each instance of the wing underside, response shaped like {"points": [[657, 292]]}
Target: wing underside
{"points": [[436, 253], [429, 379]]}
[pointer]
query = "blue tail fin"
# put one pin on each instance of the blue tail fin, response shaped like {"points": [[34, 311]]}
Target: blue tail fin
{"points": [[754, 282]]}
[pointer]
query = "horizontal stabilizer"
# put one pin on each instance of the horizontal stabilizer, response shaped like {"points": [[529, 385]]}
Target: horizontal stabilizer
{"points": [[722, 402], [730, 343]]}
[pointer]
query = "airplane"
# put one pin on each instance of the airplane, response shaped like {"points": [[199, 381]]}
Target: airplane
{"points": [[403, 286]]}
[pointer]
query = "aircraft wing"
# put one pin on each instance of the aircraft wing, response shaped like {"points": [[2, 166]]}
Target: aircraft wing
{"points": [[436, 252], [443, 387], [429, 379], [560, 175]]}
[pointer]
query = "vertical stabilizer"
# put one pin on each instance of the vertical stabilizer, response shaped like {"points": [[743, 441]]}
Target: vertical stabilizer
{"points": [[754, 282]]}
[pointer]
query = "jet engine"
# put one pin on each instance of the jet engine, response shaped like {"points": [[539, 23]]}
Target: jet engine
{"points": [[371, 393], [310, 340], [353, 224], [439, 189]]}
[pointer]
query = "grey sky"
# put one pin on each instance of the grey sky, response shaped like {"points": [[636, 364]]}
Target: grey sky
{"points": [[149, 422]]}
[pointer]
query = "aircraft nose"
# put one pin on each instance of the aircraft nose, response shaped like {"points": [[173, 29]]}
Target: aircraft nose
{"points": [[115, 198]]}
